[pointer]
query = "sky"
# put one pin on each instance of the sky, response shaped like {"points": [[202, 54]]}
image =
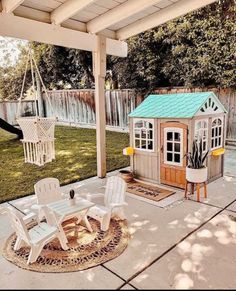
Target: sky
{"points": [[9, 51]]}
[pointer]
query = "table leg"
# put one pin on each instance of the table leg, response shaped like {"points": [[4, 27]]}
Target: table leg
{"points": [[83, 217], [53, 220], [62, 232], [88, 225], [63, 239]]}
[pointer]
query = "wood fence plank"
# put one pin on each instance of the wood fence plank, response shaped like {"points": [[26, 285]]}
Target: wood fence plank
{"points": [[78, 106]]}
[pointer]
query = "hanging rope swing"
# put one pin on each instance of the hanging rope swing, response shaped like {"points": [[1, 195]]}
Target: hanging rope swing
{"points": [[38, 132]]}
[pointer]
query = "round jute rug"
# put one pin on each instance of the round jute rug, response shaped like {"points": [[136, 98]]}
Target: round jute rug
{"points": [[86, 250]]}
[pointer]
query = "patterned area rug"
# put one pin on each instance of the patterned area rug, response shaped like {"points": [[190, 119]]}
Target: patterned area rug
{"points": [[86, 250], [154, 193]]}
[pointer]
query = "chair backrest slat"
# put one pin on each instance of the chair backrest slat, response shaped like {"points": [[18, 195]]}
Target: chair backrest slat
{"points": [[18, 224], [115, 191], [48, 190]]}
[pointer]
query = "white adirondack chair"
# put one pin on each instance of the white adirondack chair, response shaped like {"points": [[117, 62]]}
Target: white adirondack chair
{"points": [[37, 237], [48, 190], [114, 202]]}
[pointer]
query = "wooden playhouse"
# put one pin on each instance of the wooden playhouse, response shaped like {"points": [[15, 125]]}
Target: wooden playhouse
{"points": [[162, 129]]}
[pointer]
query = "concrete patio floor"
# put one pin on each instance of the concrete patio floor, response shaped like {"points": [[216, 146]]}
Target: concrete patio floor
{"points": [[176, 243]]}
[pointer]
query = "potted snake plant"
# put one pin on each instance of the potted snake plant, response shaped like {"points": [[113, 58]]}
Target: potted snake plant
{"points": [[196, 170]]}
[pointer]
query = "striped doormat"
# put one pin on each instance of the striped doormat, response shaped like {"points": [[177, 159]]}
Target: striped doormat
{"points": [[151, 192]]}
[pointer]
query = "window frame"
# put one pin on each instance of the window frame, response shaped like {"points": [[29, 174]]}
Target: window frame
{"points": [[135, 120], [201, 129], [218, 136], [181, 132]]}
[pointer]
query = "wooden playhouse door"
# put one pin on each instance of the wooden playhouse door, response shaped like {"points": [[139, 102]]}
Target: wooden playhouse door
{"points": [[173, 150]]}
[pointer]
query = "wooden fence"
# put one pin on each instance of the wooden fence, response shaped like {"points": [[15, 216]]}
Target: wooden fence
{"points": [[8, 110], [78, 106], [226, 96]]}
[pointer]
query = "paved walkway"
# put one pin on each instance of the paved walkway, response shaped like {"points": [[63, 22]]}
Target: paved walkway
{"points": [[175, 243]]}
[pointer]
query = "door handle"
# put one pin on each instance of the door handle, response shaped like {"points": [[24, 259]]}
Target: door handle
{"points": [[162, 149]]}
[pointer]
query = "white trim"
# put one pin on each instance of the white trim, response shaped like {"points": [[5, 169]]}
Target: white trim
{"points": [[202, 129], [135, 120], [218, 136], [19, 27], [173, 130], [211, 106]]}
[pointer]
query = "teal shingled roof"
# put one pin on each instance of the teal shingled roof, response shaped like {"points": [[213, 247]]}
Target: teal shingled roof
{"points": [[179, 105]]}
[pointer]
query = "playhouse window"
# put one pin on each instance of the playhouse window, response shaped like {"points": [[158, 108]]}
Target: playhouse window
{"points": [[143, 135], [201, 133], [173, 149], [216, 133]]}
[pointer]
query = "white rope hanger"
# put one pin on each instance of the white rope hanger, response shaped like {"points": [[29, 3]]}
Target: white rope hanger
{"points": [[38, 132], [34, 70]]}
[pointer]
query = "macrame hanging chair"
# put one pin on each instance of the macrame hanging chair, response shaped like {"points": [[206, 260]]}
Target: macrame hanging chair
{"points": [[38, 132]]}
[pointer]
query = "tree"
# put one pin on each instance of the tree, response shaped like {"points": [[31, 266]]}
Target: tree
{"points": [[195, 50], [142, 68], [201, 48], [12, 67], [60, 68], [11, 78], [63, 67]]}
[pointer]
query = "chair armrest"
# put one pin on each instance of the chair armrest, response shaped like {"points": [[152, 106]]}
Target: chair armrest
{"points": [[93, 196], [29, 217], [49, 215], [114, 205], [36, 207]]}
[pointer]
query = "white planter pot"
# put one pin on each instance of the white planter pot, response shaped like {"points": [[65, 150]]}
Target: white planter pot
{"points": [[196, 175]]}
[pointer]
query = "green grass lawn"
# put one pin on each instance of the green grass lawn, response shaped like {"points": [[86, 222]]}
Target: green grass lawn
{"points": [[75, 160]]}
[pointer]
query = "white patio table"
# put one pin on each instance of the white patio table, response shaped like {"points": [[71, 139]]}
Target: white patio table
{"points": [[63, 210]]}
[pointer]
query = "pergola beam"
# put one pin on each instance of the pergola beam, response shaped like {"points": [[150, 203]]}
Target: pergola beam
{"points": [[118, 14], [9, 6], [68, 9], [34, 14], [19, 27], [178, 9]]}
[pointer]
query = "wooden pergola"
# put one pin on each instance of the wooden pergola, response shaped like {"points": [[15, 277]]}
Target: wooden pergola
{"points": [[99, 26]]}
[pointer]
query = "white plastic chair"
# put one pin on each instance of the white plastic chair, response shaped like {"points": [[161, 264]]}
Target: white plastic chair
{"points": [[114, 202], [37, 237], [48, 190]]}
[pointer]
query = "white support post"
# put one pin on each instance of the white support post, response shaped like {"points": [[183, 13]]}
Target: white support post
{"points": [[99, 69]]}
